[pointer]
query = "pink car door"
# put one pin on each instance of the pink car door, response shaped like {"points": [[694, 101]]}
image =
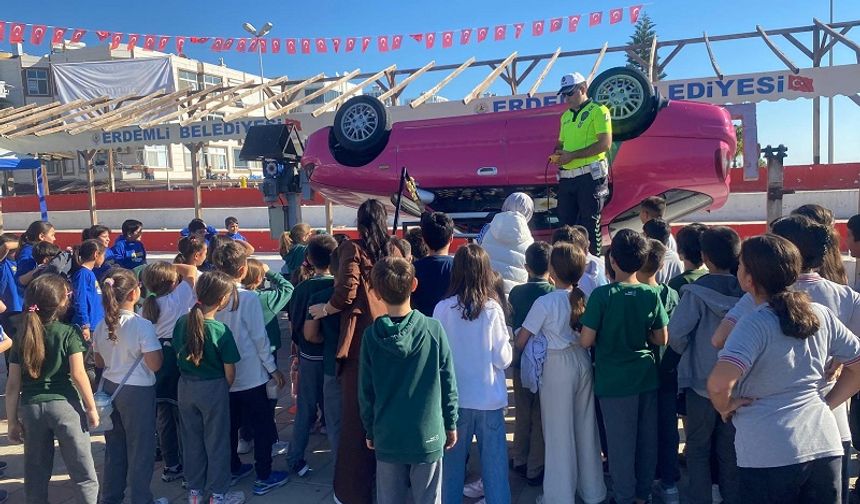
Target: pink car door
{"points": [[531, 137]]}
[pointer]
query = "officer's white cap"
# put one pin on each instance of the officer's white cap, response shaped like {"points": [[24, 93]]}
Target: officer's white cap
{"points": [[569, 81]]}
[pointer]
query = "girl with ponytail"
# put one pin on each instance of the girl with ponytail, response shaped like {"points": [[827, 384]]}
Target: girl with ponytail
{"points": [[768, 378], [567, 396], [126, 347], [47, 382], [87, 309], [192, 251], [206, 353]]}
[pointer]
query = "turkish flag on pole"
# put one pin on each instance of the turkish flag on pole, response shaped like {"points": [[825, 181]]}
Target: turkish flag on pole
{"points": [[396, 42], [276, 45], [615, 15], [595, 18], [37, 35], [132, 41], [16, 33], [803, 84], [322, 47], [350, 44], [115, 40], [537, 28], [555, 24], [335, 43], [217, 44], [78, 34], [429, 40], [180, 44], [149, 43], [365, 43], [291, 46], [634, 13], [59, 35], [228, 44], [162, 43], [465, 35], [482, 34], [573, 23], [447, 39], [306, 46], [518, 30], [382, 43], [501, 32]]}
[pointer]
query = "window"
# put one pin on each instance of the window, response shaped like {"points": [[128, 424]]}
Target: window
{"points": [[186, 156], [188, 80], [215, 158], [37, 81], [68, 167], [211, 80], [154, 156], [245, 165], [53, 167]]}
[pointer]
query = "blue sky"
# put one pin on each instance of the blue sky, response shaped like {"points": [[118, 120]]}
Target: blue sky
{"points": [[787, 122]]}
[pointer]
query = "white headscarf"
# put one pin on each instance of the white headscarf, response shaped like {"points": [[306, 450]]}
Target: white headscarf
{"points": [[521, 203]]}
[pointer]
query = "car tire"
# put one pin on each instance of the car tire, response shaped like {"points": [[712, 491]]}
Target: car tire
{"points": [[361, 125], [632, 101], [351, 158]]}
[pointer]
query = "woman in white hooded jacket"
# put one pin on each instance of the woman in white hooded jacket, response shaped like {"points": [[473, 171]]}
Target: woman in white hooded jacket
{"points": [[507, 237]]}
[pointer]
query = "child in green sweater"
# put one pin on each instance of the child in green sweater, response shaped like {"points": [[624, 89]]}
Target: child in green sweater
{"points": [[407, 391]]}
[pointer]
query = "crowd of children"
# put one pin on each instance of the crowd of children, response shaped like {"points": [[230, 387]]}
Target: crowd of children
{"points": [[401, 352]]}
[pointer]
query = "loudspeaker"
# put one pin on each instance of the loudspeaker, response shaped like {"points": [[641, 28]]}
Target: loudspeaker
{"points": [[271, 141]]}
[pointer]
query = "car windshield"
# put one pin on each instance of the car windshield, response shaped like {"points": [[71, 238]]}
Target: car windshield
{"points": [[679, 203]]}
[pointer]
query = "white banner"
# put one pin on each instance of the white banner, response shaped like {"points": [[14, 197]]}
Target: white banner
{"points": [[115, 78]]}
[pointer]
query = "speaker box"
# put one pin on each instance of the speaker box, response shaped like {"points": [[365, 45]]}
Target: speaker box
{"points": [[271, 141]]}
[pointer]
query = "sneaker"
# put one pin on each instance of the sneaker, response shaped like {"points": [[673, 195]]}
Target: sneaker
{"points": [[669, 495], [716, 496], [195, 497], [169, 474], [280, 448], [161, 500], [474, 490], [300, 468], [275, 480], [244, 470], [227, 498], [244, 447]]}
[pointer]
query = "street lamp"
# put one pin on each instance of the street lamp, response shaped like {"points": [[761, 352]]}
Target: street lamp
{"points": [[264, 30]]}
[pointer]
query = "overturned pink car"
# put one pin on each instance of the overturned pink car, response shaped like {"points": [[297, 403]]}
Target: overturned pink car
{"points": [[467, 165]]}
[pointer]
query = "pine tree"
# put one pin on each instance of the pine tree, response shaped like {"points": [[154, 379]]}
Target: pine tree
{"points": [[641, 40]]}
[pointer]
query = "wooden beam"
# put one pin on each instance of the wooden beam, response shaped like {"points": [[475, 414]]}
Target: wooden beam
{"points": [[228, 93], [714, 65], [62, 123], [345, 96], [597, 63], [635, 57], [319, 92], [23, 112], [405, 82], [651, 59], [543, 73], [111, 115], [444, 82], [195, 177], [798, 44], [832, 42], [488, 80], [14, 110], [838, 36], [35, 118], [662, 66], [175, 114], [776, 50], [290, 90], [88, 156], [111, 166]]}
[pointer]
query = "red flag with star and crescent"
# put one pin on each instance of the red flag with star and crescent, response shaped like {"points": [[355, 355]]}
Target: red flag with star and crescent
{"points": [[429, 40], [350, 44], [37, 34], [518, 29], [116, 39], [132, 41], [634, 13], [149, 43], [595, 18], [396, 42], [228, 44], [78, 34], [500, 32], [555, 24], [447, 39], [321, 45], [615, 15], [58, 36], [465, 36], [291, 46], [2, 30], [276, 45], [803, 84], [537, 28], [180, 44], [382, 43], [217, 44], [102, 35], [162, 43], [242, 45], [417, 37], [306, 46], [482, 33], [365, 43], [16, 33], [335, 43], [573, 23]]}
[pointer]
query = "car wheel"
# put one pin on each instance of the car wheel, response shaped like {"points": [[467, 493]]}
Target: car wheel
{"points": [[632, 101], [352, 158], [362, 124]]}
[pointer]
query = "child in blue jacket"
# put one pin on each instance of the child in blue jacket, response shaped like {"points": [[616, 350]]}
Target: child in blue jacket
{"points": [[128, 250]]}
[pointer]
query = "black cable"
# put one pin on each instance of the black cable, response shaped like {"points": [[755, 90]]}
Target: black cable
{"points": [[546, 185]]}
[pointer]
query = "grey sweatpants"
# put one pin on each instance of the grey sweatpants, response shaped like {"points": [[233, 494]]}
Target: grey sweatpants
{"points": [[309, 398], [65, 421], [130, 445], [204, 409], [332, 409], [167, 424], [631, 433], [393, 482]]}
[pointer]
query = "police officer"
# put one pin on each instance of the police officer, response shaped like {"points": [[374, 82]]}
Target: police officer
{"points": [[584, 138]]}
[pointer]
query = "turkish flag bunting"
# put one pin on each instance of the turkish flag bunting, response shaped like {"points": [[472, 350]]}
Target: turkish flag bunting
{"points": [[447, 39], [306, 46], [365, 43], [78, 34], [634, 13], [217, 44], [291, 46], [2, 30], [162, 43], [198, 40], [257, 43], [396, 42], [102, 35], [555, 24], [537, 28], [37, 35], [482, 34], [573, 22], [241, 45], [228, 44], [595, 18], [132, 41], [276, 45], [382, 43], [59, 35], [501, 31], [350, 44], [335, 42], [798, 83], [321, 45], [180, 44], [518, 29], [615, 15], [149, 43], [16, 33], [417, 37], [429, 40], [465, 35], [115, 40]]}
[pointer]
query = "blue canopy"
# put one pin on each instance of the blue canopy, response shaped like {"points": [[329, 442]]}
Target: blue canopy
{"points": [[12, 163]]}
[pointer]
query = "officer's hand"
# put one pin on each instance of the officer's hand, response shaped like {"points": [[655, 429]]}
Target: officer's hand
{"points": [[565, 157], [555, 159]]}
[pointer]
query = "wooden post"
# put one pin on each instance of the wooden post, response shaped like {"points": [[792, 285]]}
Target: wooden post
{"points": [[195, 177], [110, 169], [45, 178], [88, 156], [329, 217], [775, 180]]}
